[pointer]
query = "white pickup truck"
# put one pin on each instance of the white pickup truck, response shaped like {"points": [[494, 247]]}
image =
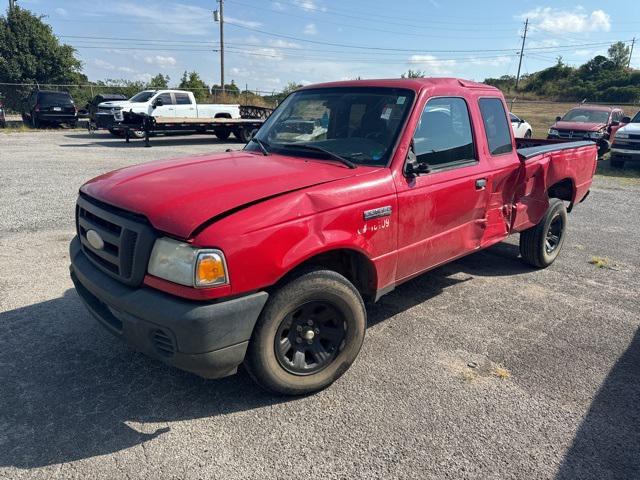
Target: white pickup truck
{"points": [[161, 103]]}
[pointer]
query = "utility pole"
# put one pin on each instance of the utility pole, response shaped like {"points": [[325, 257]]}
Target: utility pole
{"points": [[633, 42], [12, 4], [524, 38], [218, 16]]}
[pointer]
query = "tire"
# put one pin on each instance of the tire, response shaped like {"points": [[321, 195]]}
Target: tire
{"points": [[541, 244], [223, 134], [308, 335], [527, 134], [617, 163], [136, 133], [245, 134], [116, 133]]}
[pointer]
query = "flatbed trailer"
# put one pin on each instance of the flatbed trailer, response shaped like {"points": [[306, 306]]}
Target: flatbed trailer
{"points": [[242, 128]]}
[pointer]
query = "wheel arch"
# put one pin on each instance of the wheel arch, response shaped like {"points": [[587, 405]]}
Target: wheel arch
{"points": [[564, 189], [353, 264]]}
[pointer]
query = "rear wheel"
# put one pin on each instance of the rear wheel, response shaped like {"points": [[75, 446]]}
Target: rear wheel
{"points": [[308, 335], [245, 134], [223, 134], [541, 244]]}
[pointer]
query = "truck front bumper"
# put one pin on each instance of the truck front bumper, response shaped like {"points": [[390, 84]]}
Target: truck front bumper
{"points": [[625, 153], [209, 339]]}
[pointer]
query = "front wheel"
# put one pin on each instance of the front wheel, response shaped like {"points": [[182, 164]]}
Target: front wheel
{"points": [[541, 244], [308, 335]]}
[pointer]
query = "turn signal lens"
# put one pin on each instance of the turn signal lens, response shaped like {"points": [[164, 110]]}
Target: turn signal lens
{"points": [[210, 270]]}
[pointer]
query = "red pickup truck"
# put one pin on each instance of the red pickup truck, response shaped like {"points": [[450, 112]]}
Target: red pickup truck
{"points": [[266, 256]]}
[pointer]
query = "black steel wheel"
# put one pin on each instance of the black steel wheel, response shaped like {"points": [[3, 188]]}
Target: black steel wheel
{"points": [[541, 244], [310, 337], [554, 233], [308, 334]]}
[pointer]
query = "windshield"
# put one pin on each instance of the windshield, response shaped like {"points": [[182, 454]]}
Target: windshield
{"points": [[142, 96], [582, 115], [636, 119], [360, 124], [48, 99]]}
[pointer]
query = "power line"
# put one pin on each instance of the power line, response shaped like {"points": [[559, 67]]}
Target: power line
{"points": [[366, 47]]}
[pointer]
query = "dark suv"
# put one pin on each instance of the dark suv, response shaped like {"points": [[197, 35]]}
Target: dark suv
{"points": [[3, 118], [46, 107]]}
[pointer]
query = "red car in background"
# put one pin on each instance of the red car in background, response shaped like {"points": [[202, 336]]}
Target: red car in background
{"points": [[589, 122]]}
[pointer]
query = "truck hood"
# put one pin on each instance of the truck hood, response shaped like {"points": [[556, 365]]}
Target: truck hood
{"points": [[115, 103], [179, 195], [579, 126], [633, 128]]}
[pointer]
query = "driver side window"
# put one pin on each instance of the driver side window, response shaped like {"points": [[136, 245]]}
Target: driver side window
{"points": [[443, 136]]}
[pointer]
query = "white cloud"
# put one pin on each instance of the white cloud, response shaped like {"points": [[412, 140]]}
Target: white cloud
{"points": [[279, 43], [160, 60], [432, 64], [490, 62], [554, 20], [244, 23], [143, 77], [173, 17], [61, 11], [125, 69], [309, 6], [104, 65], [310, 29]]}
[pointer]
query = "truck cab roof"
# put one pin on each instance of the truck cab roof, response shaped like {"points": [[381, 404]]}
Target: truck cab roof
{"points": [[415, 84]]}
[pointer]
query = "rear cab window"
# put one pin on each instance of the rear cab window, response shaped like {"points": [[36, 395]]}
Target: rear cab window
{"points": [[182, 98], [496, 127], [167, 99]]}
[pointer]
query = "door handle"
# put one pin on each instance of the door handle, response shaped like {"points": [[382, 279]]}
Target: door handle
{"points": [[481, 183]]}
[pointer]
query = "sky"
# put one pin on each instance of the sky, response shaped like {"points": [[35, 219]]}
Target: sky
{"points": [[269, 43]]}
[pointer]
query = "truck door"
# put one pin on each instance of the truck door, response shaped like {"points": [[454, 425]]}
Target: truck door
{"points": [[442, 212], [184, 107], [167, 109]]}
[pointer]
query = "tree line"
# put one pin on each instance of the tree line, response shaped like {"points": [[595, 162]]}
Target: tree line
{"points": [[601, 79]]}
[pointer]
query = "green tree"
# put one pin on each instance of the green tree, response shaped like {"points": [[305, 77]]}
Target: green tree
{"points": [[230, 88], [619, 54], [191, 81], [159, 81], [31, 53], [413, 74]]}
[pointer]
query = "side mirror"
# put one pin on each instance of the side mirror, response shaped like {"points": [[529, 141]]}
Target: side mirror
{"points": [[157, 102], [558, 118], [412, 167], [626, 120]]}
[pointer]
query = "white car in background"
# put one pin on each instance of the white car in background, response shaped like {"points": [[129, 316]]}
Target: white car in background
{"points": [[521, 128]]}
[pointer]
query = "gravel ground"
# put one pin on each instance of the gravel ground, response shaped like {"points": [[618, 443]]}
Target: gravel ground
{"points": [[555, 393]]}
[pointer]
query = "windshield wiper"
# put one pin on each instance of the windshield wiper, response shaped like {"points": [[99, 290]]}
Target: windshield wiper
{"points": [[261, 144], [316, 148]]}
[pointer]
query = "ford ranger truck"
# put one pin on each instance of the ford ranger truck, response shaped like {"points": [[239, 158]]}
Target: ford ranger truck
{"points": [[266, 256]]}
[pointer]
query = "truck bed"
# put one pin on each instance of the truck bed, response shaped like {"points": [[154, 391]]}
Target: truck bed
{"points": [[530, 147]]}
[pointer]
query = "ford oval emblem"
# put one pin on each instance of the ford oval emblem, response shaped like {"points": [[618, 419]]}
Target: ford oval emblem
{"points": [[95, 240]]}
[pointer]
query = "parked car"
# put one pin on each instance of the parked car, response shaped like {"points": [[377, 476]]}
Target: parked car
{"points": [[265, 256], [626, 142], [168, 103], [594, 122], [521, 128], [3, 117], [44, 107], [102, 118]]}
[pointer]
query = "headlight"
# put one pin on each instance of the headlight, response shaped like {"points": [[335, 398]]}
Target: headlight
{"points": [[598, 134], [181, 263], [553, 131]]}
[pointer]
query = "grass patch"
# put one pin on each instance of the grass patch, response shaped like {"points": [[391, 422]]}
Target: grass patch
{"points": [[599, 262], [500, 372], [17, 129]]}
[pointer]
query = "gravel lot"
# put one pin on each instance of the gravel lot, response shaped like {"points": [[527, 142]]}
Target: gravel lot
{"points": [[555, 394]]}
